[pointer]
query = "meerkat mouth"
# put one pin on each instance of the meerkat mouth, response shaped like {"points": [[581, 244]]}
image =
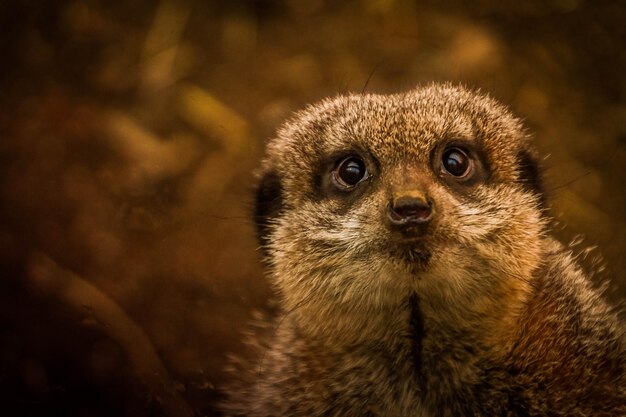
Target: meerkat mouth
{"points": [[412, 252]]}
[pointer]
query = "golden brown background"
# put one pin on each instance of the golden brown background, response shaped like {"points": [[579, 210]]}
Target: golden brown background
{"points": [[130, 131]]}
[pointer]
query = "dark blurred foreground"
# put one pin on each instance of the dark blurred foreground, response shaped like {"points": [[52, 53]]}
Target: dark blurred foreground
{"points": [[129, 134]]}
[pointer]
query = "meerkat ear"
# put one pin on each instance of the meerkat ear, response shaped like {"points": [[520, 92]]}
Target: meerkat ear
{"points": [[268, 202], [530, 173]]}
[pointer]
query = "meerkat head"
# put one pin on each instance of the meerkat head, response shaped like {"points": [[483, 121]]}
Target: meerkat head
{"points": [[365, 199]]}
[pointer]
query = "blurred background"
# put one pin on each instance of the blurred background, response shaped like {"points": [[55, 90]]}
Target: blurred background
{"points": [[129, 136]]}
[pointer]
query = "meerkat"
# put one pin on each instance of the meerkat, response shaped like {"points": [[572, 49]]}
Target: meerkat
{"points": [[407, 238]]}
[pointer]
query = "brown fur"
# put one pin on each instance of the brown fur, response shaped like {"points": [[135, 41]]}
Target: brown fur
{"points": [[483, 315]]}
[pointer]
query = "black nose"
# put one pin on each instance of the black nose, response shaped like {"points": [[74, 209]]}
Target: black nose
{"points": [[407, 210]]}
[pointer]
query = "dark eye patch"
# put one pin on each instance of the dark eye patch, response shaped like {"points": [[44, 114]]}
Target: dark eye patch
{"points": [[353, 167], [472, 165], [350, 171], [456, 162]]}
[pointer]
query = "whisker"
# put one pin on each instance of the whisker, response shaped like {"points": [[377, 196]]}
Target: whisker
{"points": [[369, 77], [618, 147]]}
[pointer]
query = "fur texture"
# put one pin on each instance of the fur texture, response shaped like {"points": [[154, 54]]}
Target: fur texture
{"points": [[481, 314]]}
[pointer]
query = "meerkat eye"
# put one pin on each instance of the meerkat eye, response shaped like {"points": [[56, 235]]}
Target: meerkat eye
{"points": [[456, 162], [349, 172]]}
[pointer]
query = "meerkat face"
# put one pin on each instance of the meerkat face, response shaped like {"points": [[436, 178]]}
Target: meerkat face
{"points": [[366, 197]]}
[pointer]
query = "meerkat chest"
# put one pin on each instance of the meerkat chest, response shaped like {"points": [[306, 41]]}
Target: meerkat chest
{"points": [[366, 381]]}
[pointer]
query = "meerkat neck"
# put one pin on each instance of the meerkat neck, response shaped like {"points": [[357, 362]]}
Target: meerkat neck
{"points": [[487, 321], [468, 329], [345, 327]]}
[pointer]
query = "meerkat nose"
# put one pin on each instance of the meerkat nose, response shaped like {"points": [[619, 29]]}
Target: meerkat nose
{"points": [[410, 209]]}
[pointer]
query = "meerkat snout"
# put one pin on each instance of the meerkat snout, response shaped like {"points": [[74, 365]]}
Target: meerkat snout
{"points": [[410, 208]]}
